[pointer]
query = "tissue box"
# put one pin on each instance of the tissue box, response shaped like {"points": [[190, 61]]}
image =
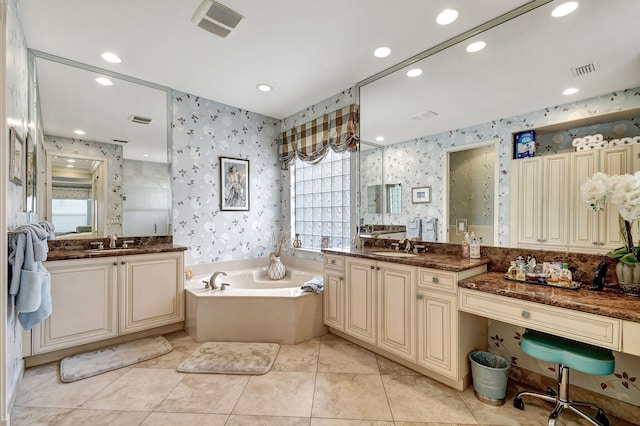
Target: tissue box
{"points": [[525, 144]]}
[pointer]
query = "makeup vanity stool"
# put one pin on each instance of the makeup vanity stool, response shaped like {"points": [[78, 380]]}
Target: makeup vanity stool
{"points": [[566, 354]]}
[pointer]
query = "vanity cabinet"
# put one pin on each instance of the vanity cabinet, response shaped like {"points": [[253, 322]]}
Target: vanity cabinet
{"points": [[333, 294], [101, 298], [360, 299], [84, 299]]}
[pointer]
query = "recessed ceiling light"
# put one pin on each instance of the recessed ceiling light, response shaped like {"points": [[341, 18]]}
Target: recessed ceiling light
{"points": [[447, 16], [79, 132], [145, 155], [564, 9], [71, 166], [264, 87], [571, 91], [71, 160], [379, 138], [476, 46], [382, 52], [104, 81], [414, 72], [111, 57]]}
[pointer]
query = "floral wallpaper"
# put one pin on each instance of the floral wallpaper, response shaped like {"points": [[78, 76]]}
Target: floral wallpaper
{"points": [[471, 180], [204, 131], [112, 155], [17, 73]]}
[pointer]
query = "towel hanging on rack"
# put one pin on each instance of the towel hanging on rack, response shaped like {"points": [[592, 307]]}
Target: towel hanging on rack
{"points": [[429, 229], [413, 228]]}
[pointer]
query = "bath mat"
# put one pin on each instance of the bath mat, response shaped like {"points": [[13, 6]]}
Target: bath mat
{"points": [[90, 364], [231, 358]]}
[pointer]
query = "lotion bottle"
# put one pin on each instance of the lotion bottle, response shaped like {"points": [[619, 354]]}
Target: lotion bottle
{"points": [[465, 245], [474, 247]]}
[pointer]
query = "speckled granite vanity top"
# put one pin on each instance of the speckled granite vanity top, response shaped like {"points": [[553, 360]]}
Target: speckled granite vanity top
{"points": [[445, 262], [610, 302], [82, 248]]}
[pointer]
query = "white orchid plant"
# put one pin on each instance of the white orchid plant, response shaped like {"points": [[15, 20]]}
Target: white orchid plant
{"points": [[623, 192]]}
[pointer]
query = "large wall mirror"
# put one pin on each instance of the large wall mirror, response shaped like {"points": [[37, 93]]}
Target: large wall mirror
{"points": [[106, 141], [414, 130]]}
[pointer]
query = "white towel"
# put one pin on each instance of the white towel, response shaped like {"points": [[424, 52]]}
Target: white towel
{"points": [[429, 229], [315, 285], [614, 142], [577, 141], [597, 137], [413, 228], [626, 141], [636, 139]]}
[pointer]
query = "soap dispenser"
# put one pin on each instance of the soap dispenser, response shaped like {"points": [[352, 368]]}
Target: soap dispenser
{"points": [[474, 247]]}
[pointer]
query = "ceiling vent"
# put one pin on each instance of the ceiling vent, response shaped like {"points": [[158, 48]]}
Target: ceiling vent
{"points": [[119, 141], [216, 18], [140, 120], [584, 69], [425, 115]]}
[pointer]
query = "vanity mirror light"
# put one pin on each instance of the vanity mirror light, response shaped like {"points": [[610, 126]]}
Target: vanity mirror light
{"points": [[115, 138], [476, 100]]}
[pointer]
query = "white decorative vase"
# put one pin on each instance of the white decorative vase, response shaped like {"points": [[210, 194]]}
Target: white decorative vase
{"points": [[629, 278], [276, 268]]}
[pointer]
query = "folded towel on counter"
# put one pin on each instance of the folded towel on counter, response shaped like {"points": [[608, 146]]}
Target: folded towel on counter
{"points": [[413, 228], [315, 285]]}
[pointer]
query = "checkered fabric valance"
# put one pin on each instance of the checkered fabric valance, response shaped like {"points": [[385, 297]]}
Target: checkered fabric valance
{"points": [[310, 141]]}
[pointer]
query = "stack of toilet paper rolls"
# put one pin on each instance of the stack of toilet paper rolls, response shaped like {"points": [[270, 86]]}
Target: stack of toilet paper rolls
{"points": [[589, 142], [624, 141]]}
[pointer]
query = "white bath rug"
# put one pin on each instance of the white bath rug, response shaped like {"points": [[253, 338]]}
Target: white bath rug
{"points": [[231, 358], [90, 364]]}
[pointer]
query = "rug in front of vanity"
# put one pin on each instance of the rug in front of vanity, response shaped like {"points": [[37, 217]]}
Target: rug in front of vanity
{"points": [[231, 358], [97, 362]]}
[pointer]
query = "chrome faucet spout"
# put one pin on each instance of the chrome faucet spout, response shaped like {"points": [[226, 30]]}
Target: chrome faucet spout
{"points": [[213, 280], [112, 240]]}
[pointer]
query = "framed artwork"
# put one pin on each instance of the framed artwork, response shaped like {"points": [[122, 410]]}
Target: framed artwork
{"points": [[234, 189], [421, 194], [16, 157]]}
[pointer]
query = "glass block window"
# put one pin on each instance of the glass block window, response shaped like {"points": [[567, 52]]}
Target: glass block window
{"points": [[320, 202]]}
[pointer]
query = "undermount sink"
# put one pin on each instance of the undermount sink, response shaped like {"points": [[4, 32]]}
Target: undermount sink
{"points": [[393, 254]]}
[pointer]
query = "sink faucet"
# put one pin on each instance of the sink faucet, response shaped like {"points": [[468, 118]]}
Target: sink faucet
{"points": [[112, 240], [407, 244], [213, 281]]}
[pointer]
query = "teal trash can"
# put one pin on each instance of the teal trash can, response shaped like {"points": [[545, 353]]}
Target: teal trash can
{"points": [[489, 375]]}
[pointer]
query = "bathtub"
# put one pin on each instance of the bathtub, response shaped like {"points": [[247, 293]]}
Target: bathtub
{"points": [[253, 308]]}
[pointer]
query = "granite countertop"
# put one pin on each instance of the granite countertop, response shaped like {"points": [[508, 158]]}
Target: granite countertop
{"points": [[71, 252], [445, 262], [610, 302]]}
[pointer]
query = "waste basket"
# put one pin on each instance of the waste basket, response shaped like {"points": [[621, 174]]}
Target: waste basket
{"points": [[489, 374]]}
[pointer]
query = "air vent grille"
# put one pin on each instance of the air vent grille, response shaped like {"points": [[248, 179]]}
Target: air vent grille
{"points": [[425, 115], [216, 18], [119, 141], [139, 119], [584, 69]]}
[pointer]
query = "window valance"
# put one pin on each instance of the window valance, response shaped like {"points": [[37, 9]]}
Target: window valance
{"points": [[310, 141]]}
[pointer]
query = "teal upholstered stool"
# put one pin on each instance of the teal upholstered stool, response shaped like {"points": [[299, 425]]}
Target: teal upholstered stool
{"points": [[566, 354]]}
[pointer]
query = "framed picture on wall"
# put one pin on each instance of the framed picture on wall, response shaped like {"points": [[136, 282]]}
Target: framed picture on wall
{"points": [[234, 188], [16, 157], [421, 194]]}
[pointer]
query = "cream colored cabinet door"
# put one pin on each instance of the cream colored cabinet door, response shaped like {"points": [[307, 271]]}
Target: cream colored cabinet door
{"points": [[397, 309], [84, 304], [614, 161], [151, 290], [333, 299], [438, 333], [542, 201], [360, 299]]}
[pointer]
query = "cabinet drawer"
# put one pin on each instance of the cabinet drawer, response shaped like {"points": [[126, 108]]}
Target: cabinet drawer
{"points": [[437, 280], [334, 262], [589, 328]]}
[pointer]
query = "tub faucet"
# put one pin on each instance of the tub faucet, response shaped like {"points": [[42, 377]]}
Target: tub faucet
{"points": [[213, 280]]}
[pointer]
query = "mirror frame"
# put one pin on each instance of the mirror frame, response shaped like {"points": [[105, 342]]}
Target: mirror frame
{"points": [[45, 192]]}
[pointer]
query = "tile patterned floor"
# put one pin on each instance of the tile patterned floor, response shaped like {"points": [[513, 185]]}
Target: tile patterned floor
{"points": [[324, 382]]}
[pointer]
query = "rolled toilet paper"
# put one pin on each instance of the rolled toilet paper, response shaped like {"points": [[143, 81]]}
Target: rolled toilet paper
{"points": [[626, 141], [577, 142], [597, 137], [614, 142], [636, 139]]}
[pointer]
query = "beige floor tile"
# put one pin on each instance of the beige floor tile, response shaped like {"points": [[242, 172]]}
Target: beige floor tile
{"points": [[140, 389], [235, 420], [420, 399], [332, 338], [388, 367], [182, 348], [205, 393], [104, 418], [35, 376], [38, 416], [278, 394], [184, 419], [350, 396], [54, 393], [340, 422], [302, 357], [341, 358]]}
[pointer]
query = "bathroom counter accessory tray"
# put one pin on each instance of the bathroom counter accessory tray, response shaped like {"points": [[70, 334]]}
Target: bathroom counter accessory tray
{"points": [[574, 284]]}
